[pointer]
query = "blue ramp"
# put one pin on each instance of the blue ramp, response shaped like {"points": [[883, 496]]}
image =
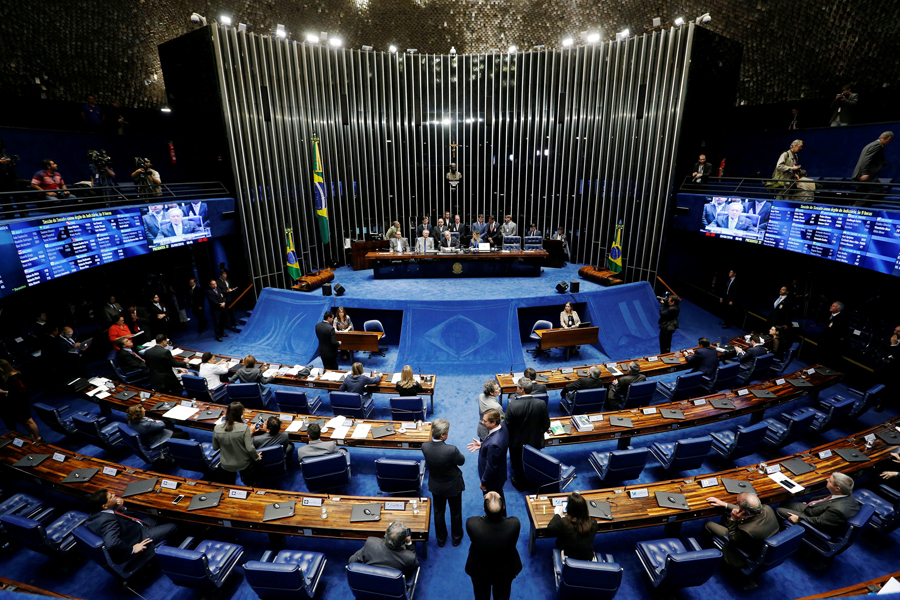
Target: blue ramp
{"points": [[627, 316], [281, 328], [460, 337]]}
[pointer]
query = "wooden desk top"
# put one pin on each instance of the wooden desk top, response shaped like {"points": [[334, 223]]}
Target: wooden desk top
{"points": [[231, 512], [456, 255], [411, 440], [697, 414], [631, 513], [858, 589], [8, 585], [559, 380]]}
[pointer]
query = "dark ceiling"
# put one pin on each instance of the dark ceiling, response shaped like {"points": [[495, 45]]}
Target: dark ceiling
{"points": [[792, 48]]}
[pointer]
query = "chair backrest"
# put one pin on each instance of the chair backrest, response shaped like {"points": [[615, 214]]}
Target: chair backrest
{"points": [[747, 439], [687, 386], [330, 470], [408, 408], [274, 580], [726, 376], [625, 465], [29, 533], [92, 546], [690, 453], [778, 548], [114, 363], [88, 427], [542, 324], [533, 242], [369, 582], [51, 418], [345, 400], [188, 454], [131, 439], [454, 235], [188, 568], [689, 569], [797, 427], [761, 364], [584, 579], [873, 394], [855, 526], [196, 387], [373, 325], [394, 475], [788, 357], [588, 401], [292, 401], [248, 394], [838, 411], [639, 394], [512, 242], [272, 464], [544, 397], [540, 468]]}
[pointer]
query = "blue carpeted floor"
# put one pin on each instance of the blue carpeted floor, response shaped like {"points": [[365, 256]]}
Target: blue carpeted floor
{"points": [[461, 373]]}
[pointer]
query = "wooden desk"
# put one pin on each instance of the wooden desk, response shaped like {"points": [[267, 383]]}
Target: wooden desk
{"points": [[697, 414], [567, 338], [358, 251], [233, 513], [559, 380], [636, 513], [411, 440], [362, 341], [8, 585], [858, 589], [451, 265]]}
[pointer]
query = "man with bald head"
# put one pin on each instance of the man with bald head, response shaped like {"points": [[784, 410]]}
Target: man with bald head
{"points": [[493, 559], [748, 524]]}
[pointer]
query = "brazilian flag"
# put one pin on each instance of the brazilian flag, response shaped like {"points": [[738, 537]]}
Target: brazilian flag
{"points": [[319, 188], [293, 263], [614, 259]]}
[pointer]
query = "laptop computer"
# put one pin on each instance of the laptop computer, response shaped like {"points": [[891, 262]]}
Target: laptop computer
{"points": [[889, 437], [79, 384], [279, 510], [207, 500], [851, 455], [671, 413], [584, 324], [384, 430], [621, 422], [670, 360], [826, 371], [797, 466], [361, 513], [542, 378], [80, 475], [143, 486], [734, 486], [484, 247], [599, 510], [581, 372], [163, 406], [320, 422], [762, 393], [722, 403], [799, 383], [672, 500], [210, 414], [32, 460], [125, 395]]}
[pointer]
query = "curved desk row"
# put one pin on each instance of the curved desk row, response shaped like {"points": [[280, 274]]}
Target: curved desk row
{"points": [[412, 439], [8, 585], [233, 510], [865, 588], [632, 510]]}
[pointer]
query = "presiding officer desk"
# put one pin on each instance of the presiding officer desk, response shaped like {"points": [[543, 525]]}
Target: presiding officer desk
{"points": [[232, 511], [412, 439], [644, 511], [452, 265]]}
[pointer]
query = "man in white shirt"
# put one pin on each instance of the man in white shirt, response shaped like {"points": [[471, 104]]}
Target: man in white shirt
{"points": [[210, 370]]}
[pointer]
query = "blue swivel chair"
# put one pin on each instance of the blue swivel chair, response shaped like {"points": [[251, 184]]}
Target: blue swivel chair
{"points": [[836, 412], [683, 455], [272, 465], [582, 402], [57, 419], [686, 386], [296, 402], [829, 546], [585, 579], [725, 378], [862, 400], [375, 325], [779, 366], [781, 433], [380, 583], [323, 472], [544, 397], [512, 242], [775, 550], [150, 454], [669, 564], [395, 476], [293, 574], [24, 505], [533, 242], [736, 444], [136, 377], [408, 408], [639, 394], [757, 368], [54, 540], [98, 431], [93, 546], [886, 504], [619, 465], [251, 395], [541, 324], [193, 455], [206, 567], [198, 389], [546, 472], [351, 404]]}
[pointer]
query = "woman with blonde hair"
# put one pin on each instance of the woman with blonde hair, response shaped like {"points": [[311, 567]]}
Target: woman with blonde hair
{"points": [[408, 386]]}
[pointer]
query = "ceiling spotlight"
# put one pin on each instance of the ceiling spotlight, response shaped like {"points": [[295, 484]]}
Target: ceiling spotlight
{"points": [[367, 48], [335, 42], [312, 38], [679, 22], [657, 21], [242, 27], [704, 18], [198, 19], [225, 19], [165, 109], [513, 49], [392, 48], [593, 37], [622, 34], [280, 31], [453, 50], [567, 42]]}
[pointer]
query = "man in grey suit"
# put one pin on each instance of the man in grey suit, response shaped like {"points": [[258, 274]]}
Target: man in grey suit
{"points": [[746, 527], [316, 446], [425, 242], [176, 226], [395, 551], [828, 514], [399, 243], [445, 481], [592, 381], [732, 219], [871, 161], [509, 227], [112, 311]]}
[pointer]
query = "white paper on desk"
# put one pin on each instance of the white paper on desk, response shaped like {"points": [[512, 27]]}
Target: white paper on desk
{"points": [[293, 370], [270, 373], [103, 394], [315, 372], [94, 391], [335, 422], [181, 413], [99, 380], [395, 378], [361, 432], [518, 376], [195, 361], [339, 433], [177, 351], [891, 586], [786, 482], [233, 363], [149, 344], [295, 426]]}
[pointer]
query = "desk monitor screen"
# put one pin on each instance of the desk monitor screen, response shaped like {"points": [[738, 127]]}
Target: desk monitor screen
{"points": [[584, 324], [484, 247], [175, 226]]}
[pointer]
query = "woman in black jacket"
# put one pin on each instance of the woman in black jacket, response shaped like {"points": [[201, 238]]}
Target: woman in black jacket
{"points": [[573, 528]]}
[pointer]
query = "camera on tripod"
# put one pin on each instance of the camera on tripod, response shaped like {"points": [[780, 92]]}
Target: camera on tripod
{"points": [[100, 159]]}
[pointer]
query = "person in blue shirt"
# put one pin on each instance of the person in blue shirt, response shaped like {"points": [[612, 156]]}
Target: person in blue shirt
{"points": [[356, 382]]}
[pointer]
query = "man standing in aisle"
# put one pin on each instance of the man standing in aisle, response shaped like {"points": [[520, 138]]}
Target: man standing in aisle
{"points": [[328, 342], [493, 560], [445, 481], [492, 454], [216, 309], [527, 419]]}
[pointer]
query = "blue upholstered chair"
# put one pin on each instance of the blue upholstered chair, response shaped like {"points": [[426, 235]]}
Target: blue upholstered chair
{"points": [[93, 546], [150, 454], [293, 574], [272, 465], [57, 419], [251, 395], [351, 404], [862, 400], [836, 412], [24, 505], [545, 397], [546, 472], [585, 579], [670, 564], [198, 389], [377, 583], [292, 401], [512, 243], [779, 366], [205, 567], [98, 431], [756, 368], [533, 242], [193, 455], [136, 377], [397, 476], [582, 402], [375, 325], [540, 324], [724, 378], [52, 540], [829, 546], [685, 386], [780, 433], [775, 550], [408, 408], [639, 394], [323, 472], [886, 504], [746, 440], [619, 465], [683, 455]]}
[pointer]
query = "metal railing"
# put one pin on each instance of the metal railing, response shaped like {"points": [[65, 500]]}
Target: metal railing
{"points": [[833, 190]]}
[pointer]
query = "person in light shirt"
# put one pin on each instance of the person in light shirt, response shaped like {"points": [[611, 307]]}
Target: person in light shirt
{"points": [[211, 369]]}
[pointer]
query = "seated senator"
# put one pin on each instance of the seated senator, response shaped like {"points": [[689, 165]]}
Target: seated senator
{"points": [[124, 535], [732, 219], [592, 381], [408, 386], [573, 528], [568, 318], [272, 435], [476, 239], [119, 329], [449, 242], [399, 243], [395, 551], [151, 431], [705, 359], [316, 446], [618, 389], [210, 370], [176, 225], [828, 513], [127, 358], [250, 373], [356, 382], [424, 243]]}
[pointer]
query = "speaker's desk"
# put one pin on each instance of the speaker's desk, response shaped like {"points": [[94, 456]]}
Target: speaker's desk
{"points": [[452, 265]]}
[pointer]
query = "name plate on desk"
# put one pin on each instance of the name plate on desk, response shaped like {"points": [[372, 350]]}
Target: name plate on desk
{"points": [[395, 506], [566, 371], [773, 469], [810, 371], [779, 382], [652, 358], [700, 402], [168, 484], [870, 439], [239, 494], [743, 392], [312, 502], [649, 411], [825, 454], [641, 493], [19, 442], [595, 418], [705, 483], [144, 395], [58, 457], [110, 471]]}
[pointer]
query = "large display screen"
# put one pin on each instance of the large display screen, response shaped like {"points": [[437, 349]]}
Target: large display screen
{"points": [[864, 237]]}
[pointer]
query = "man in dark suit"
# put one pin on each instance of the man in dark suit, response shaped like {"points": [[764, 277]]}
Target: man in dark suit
{"points": [[493, 560], [492, 231], [445, 481], [480, 226], [127, 358], [449, 242], [316, 445], [829, 513], [618, 390], [229, 290], [729, 300], [196, 298], [781, 308], [712, 210], [592, 381], [422, 227], [733, 220], [871, 161], [668, 322], [527, 418], [438, 230], [492, 454], [176, 225], [536, 388], [159, 317], [112, 310], [458, 226], [328, 343], [394, 551], [746, 357], [153, 221], [844, 107], [834, 332], [124, 536], [705, 359], [760, 208], [702, 170], [198, 209], [746, 527], [161, 362], [216, 309]]}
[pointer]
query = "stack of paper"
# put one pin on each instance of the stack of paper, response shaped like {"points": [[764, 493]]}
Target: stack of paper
{"points": [[149, 344], [270, 373], [181, 413], [293, 370], [295, 426], [340, 433], [361, 432], [177, 351], [336, 422], [195, 361]]}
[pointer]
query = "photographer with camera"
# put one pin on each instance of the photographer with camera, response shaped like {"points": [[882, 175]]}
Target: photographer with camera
{"points": [[844, 107], [102, 174], [9, 183], [47, 180], [146, 178]]}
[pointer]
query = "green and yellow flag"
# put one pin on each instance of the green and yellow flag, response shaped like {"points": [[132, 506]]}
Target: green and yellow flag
{"points": [[293, 263], [614, 258], [319, 188]]}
